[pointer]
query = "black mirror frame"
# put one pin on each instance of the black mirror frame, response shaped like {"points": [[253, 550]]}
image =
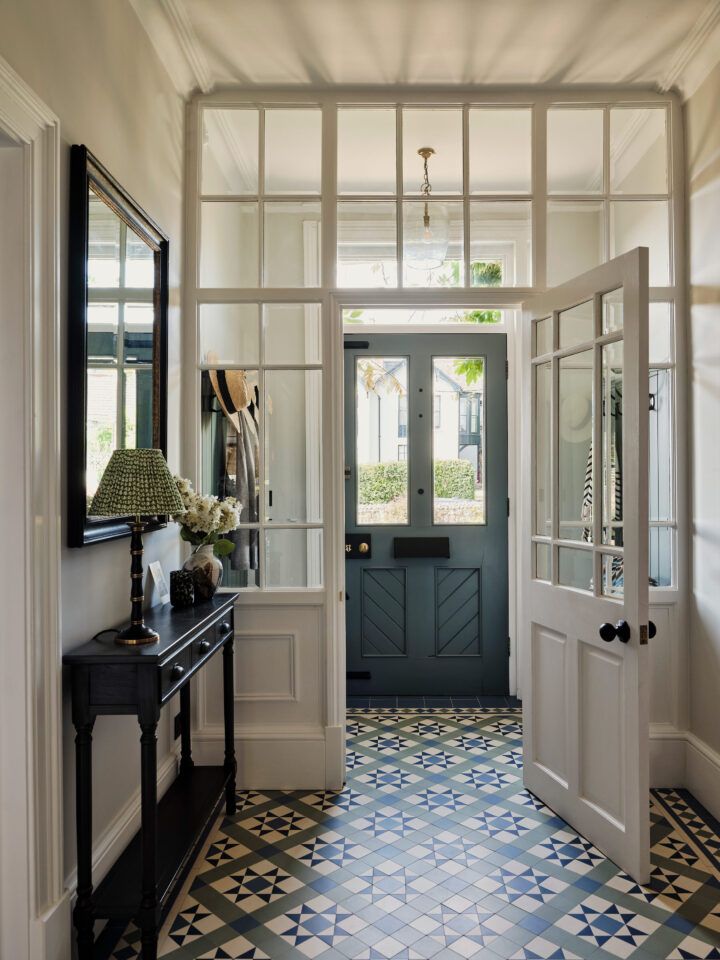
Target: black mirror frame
{"points": [[86, 170]]}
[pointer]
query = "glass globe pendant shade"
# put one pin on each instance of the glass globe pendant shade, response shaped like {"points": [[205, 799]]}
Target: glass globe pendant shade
{"points": [[426, 235]]}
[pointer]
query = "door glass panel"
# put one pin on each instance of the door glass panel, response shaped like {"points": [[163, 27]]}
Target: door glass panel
{"points": [[367, 244], [612, 575], [500, 243], [230, 431], [576, 324], [575, 426], [230, 151], [612, 442], [293, 558], [458, 440], [293, 446], [575, 568], [661, 555], [660, 345], [499, 148], [382, 439], [612, 311], [292, 150], [229, 245], [291, 333], [291, 244], [638, 150], [229, 334], [660, 447], [542, 561], [543, 476], [543, 337], [366, 150], [440, 129], [575, 239], [574, 151], [433, 244], [643, 223]]}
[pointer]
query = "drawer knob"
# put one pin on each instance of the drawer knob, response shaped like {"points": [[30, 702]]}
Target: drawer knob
{"points": [[177, 671], [225, 626], [204, 646]]}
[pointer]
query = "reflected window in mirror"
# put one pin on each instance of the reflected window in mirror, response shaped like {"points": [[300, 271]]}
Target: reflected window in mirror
{"points": [[117, 338]]}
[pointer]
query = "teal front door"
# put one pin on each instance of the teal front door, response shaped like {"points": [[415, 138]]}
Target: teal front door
{"points": [[426, 514]]}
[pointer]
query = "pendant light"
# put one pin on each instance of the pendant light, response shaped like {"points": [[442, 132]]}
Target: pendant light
{"points": [[426, 226]]}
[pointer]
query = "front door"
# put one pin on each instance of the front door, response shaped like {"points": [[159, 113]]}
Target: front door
{"points": [[426, 514], [585, 531]]}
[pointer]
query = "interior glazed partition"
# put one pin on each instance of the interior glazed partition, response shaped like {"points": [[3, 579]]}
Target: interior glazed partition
{"points": [[291, 631]]}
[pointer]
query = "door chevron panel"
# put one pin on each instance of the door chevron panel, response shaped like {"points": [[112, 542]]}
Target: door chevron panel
{"points": [[384, 620], [458, 609]]}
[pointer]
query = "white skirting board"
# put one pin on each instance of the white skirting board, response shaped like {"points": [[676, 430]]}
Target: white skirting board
{"points": [[702, 777], [271, 758]]}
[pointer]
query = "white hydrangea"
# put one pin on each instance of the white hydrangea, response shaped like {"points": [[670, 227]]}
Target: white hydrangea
{"points": [[206, 514]]}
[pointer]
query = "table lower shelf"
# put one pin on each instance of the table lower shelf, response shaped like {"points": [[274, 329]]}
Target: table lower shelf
{"points": [[184, 817]]}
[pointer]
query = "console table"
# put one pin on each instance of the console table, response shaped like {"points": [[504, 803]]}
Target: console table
{"points": [[109, 679]]}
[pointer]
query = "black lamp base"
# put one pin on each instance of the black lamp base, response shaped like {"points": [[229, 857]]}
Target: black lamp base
{"points": [[136, 635]]}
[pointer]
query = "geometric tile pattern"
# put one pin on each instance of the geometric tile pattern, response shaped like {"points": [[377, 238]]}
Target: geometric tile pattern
{"points": [[434, 849]]}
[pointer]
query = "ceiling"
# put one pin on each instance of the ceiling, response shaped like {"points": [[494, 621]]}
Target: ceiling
{"points": [[206, 44]]}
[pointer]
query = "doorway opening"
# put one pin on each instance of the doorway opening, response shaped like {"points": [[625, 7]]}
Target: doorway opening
{"points": [[426, 512]]}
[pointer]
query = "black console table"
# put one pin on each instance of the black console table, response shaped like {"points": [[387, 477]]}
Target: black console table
{"points": [[110, 679]]}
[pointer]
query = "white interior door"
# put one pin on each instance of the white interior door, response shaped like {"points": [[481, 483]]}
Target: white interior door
{"points": [[585, 578]]}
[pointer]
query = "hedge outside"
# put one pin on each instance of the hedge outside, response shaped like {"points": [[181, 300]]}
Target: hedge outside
{"points": [[384, 482]]}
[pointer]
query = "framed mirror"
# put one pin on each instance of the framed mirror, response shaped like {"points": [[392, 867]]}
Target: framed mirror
{"points": [[117, 338]]}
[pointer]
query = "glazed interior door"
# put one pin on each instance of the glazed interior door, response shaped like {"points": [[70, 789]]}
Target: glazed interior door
{"points": [[426, 491], [585, 531]]}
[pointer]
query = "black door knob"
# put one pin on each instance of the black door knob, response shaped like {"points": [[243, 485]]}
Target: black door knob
{"points": [[619, 630], [622, 628], [652, 629]]}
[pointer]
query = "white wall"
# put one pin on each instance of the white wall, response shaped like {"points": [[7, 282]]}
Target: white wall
{"points": [[94, 66], [703, 160]]}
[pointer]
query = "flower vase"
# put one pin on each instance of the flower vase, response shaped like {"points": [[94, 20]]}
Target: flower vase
{"points": [[207, 572]]}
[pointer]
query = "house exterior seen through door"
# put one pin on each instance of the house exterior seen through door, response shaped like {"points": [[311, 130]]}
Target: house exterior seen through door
{"points": [[426, 514]]}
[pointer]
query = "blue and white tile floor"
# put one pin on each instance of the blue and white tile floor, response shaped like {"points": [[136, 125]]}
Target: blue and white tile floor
{"points": [[435, 850]]}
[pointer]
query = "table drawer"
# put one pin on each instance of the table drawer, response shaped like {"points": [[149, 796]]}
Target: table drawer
{"points": [[213, 638], [174, 672]]}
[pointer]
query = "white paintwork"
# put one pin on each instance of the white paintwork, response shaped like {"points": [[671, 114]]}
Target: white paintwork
{"points": [[265, 42], [332, 664], [585, 701], [34, 909]]}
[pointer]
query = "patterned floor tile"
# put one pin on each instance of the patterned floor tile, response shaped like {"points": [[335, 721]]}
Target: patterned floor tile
{"points": [[435, 851]]}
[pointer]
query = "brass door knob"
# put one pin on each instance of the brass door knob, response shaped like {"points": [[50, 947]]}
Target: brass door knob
{"points": [[363, 548]]}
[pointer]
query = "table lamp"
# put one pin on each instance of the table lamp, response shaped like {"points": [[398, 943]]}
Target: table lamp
{"points": [[136, 482]]}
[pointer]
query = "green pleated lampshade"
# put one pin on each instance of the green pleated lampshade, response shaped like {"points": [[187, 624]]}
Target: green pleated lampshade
{"points": [[136, 482]]}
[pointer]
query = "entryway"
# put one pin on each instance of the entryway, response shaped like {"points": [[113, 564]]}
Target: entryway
{"points": [[426, 514]]}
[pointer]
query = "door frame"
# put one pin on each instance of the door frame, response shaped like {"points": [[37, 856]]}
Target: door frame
{"points": [[335, 465], [33, 840]]}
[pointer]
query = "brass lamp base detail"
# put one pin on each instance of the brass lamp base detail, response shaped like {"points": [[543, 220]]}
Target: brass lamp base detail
{"points": [[135, 635]]}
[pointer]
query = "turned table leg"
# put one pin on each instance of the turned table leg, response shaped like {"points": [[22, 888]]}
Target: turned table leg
{"points": [[82, 914], [229, 715]]}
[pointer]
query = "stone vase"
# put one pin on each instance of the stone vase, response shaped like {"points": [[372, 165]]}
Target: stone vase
{"points": [[207, 572]]}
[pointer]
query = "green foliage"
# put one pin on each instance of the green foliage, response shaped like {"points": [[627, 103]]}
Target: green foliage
{"points": [[385, 482], [382, 482], [454, 479], [486, 273], [471, 368]]}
